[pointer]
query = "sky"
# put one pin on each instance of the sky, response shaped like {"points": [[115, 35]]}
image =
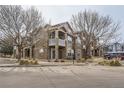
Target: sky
{"points": [[58, 14]]}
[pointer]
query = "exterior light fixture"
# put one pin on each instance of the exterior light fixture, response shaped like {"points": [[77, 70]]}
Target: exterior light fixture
{"points": [[41, 50], [84, 47]]}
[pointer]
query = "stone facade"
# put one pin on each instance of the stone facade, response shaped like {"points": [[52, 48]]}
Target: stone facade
{"points": [[51, 42], [56, 42]]}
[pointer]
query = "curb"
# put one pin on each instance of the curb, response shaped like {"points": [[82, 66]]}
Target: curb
{"points": [[42, 65]]}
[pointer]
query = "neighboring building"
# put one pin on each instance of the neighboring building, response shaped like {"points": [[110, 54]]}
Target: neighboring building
{"points": [[52, 42], [115, 48]]}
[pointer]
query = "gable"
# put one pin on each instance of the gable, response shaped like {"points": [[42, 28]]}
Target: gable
{"points": [[66, 26]]}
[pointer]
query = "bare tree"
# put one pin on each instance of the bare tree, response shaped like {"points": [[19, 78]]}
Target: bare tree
{"points": [[33, 20], [16, 23], [92, 28], [11, 23]]}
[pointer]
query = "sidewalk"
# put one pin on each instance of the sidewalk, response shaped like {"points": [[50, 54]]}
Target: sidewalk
{"points": [[10, 62], [42, 64]]}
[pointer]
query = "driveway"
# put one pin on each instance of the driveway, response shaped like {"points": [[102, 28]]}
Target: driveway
{"points": [[62, 77]]}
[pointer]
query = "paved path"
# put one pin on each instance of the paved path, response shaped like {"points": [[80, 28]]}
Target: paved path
{"points": [[62, 76], [7, 61]]}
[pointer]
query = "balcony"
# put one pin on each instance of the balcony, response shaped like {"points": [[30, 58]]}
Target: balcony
{"points": [[61, 42], [53, 42]]}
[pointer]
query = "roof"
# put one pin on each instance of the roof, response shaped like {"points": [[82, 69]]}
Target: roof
{"points": [[62, 24]]}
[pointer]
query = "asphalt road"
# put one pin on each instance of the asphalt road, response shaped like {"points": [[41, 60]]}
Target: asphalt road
{"points": [[62, 77]]}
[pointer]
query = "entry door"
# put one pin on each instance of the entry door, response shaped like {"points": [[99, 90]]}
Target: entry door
{"points": [[52, 53], [60, 54]]}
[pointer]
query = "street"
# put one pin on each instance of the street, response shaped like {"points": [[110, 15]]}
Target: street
{"points": [[62, 77]]}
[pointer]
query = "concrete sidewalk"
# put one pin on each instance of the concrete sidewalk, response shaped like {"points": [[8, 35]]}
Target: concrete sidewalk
{"points": [[10, 62], [42, 64]]}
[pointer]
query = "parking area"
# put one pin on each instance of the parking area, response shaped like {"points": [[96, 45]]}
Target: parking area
{"points": [[62, 77]]}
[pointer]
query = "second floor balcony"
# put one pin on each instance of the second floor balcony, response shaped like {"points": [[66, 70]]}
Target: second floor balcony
{"points": [[53, 42]]}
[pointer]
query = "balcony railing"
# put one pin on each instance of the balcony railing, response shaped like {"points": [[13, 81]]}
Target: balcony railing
{"points": [[53, 42], [61, 42]]}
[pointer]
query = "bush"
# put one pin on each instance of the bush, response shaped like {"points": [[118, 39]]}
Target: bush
{"points": [[62, 60], [110, 63], [115, 63], [81, 60], [78, 60], [35, 62], [21, 62], [89, 60], [28, 62], [56, 60], [103, 63]]}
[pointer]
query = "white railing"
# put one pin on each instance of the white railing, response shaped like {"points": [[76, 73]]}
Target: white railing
{"points": [[53, 42], [61, 42]]}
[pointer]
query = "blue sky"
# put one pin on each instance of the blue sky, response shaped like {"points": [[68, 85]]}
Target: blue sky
{"points": [[58, 14]]}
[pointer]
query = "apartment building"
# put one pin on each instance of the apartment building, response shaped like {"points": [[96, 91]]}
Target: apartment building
{"points": [[53, 43], [115, 48]]}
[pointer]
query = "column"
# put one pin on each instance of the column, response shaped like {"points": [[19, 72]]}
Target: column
{"points": [[30, 52], [56, 46], [23, 52], [66, 47]]}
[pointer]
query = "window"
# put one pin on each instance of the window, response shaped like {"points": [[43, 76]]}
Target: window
{"points": [[52, 35], [69, 54], [69, 41], [69, 38]]}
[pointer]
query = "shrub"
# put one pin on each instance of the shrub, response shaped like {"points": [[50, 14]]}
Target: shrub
{"points": [[110, 63], [81, 60], [55, 60], [90, 60], [115, 63], [78, 60], [21, 62], [62, 60], [35, 62], [103, 63], [28, 62]]}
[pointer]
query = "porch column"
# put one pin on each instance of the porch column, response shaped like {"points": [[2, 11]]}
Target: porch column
{"points": [[23, 52], [56, 46], [30, 52], [66, 39]]}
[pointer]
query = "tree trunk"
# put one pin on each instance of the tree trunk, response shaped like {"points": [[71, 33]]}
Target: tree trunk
{"points": [[19, 53], [87, 53]]}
